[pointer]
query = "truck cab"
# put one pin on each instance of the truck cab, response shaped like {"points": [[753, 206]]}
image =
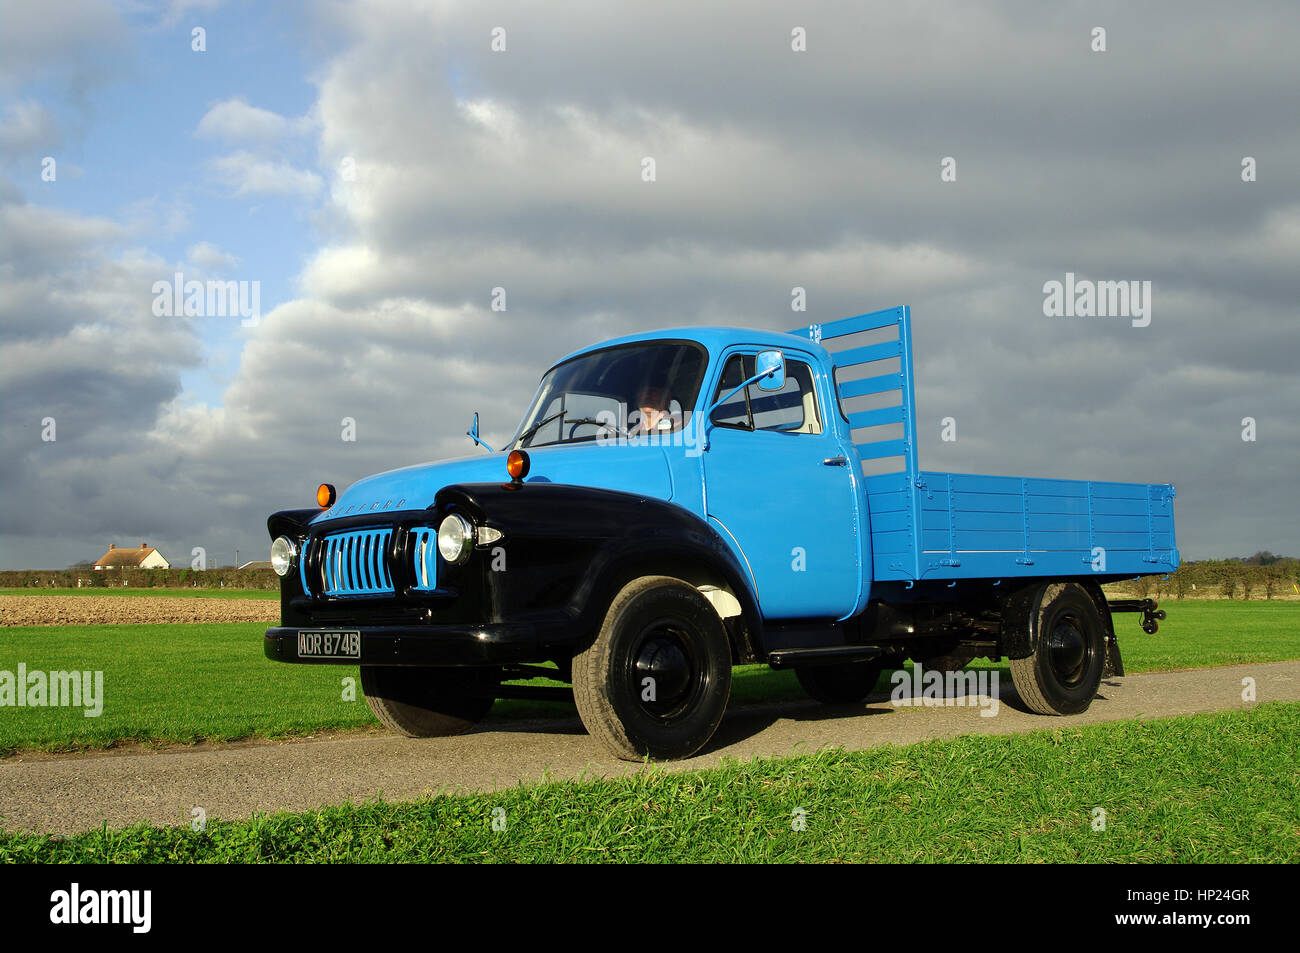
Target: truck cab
{"points": [[676, 503]]}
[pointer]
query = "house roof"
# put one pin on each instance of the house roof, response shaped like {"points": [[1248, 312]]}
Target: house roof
{"points": [[118, 557]]}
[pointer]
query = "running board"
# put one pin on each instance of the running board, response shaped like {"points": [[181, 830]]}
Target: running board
{"points": [[830, 655]]}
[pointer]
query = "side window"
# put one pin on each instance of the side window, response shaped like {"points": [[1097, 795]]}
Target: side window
{"points": [[792, 409], [786, 409], [735, 412]]}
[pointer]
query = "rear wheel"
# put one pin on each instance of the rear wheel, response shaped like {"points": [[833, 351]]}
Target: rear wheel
{"points": [[1068, 639], [655, 680], [429, 702]]}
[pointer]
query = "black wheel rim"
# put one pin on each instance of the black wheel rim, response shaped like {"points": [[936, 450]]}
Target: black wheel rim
{"points": [[666, 674], [1069, 651]]}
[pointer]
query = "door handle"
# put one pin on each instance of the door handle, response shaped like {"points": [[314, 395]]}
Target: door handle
{"points": [[835, 462]]}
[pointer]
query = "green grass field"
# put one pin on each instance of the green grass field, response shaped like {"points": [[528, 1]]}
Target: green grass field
{"points": [[1226, 791], [191, 683]]}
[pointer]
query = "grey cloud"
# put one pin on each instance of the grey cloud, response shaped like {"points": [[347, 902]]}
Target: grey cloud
{"points": [[775, 169], [248, 174]]}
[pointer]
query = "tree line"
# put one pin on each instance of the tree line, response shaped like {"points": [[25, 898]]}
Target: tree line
{"points": [[80, 578], [1260, 576]]}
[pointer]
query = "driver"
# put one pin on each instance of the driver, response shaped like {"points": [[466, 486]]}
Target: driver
{"points": [[653, 402]]}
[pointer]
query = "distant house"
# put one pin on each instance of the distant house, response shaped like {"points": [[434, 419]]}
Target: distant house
{"points": [[146, 557]]}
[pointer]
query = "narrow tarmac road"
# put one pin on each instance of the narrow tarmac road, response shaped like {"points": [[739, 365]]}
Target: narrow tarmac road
{"points": [[79, 792]]}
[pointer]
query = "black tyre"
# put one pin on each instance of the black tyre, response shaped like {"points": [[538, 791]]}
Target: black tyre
{"points": [[655, 680], [842, 684], [429, 702], [1068, 638]]}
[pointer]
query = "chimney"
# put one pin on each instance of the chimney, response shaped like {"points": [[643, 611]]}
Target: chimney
{"points": [[112, 545], [144, 545]]}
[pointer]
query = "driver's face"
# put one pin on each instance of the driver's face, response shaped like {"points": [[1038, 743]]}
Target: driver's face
{"points": [[651, 416], [653, 404]]}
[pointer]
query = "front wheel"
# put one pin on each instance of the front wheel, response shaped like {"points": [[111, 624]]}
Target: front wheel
{"points": [[1068, 638], [656, 678], [429, 702]]}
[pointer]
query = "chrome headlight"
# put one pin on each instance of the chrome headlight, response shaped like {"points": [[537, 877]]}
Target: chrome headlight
{"points": [[455, 538], [283, 554]]}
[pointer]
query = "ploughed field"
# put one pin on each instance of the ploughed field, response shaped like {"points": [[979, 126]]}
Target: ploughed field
{"points": [[115, 610]]}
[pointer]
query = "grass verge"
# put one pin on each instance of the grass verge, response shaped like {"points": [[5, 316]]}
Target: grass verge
{"points": [[1216, 788]]}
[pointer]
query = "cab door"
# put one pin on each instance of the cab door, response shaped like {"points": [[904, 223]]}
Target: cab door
{"points": [[777, 481]]}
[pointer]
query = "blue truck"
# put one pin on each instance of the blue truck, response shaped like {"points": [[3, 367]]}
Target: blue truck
{"points": [[677, 503]]}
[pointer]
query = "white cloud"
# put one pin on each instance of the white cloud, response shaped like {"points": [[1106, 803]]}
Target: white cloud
{"points": [[236, 121], [28, 127], [156, 217], [209, 258], [246, 174]]}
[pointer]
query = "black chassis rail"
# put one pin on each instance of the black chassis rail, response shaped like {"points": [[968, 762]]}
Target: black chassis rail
{"points": [[568, 550]]}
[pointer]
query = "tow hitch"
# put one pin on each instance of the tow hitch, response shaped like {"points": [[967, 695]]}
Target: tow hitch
{"points": [[1152, 614]]}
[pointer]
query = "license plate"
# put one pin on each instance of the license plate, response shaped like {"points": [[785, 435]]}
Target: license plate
{"points": [[328, 643]]}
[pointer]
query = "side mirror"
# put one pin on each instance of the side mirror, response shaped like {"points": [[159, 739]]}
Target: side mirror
{"points": [[472, 433], [769, 374], [771, 364]]}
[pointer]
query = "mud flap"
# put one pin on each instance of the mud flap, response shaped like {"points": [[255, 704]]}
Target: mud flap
{"points": [[1114, 664]]}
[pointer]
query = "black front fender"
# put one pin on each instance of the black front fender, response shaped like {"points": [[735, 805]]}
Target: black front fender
{"points": [[571, 548], [291, 523]]}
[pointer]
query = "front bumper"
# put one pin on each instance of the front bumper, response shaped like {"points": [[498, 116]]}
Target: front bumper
{"points": [[444, 645]]}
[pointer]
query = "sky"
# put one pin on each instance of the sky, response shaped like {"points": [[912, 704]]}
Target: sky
{"points": [[373, 170]]}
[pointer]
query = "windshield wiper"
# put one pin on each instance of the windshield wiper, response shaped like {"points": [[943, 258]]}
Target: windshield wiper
{"points": [[538, 426], [599, 423]]}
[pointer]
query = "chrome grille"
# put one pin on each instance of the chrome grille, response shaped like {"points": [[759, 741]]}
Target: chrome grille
{"points": [[356, 563], [424, 557]]}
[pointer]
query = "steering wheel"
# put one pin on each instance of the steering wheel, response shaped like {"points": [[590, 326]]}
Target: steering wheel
{"points": [[596, 423]]}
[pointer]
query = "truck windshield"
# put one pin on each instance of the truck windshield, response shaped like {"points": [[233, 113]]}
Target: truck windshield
{"points": [[621, 392]]}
